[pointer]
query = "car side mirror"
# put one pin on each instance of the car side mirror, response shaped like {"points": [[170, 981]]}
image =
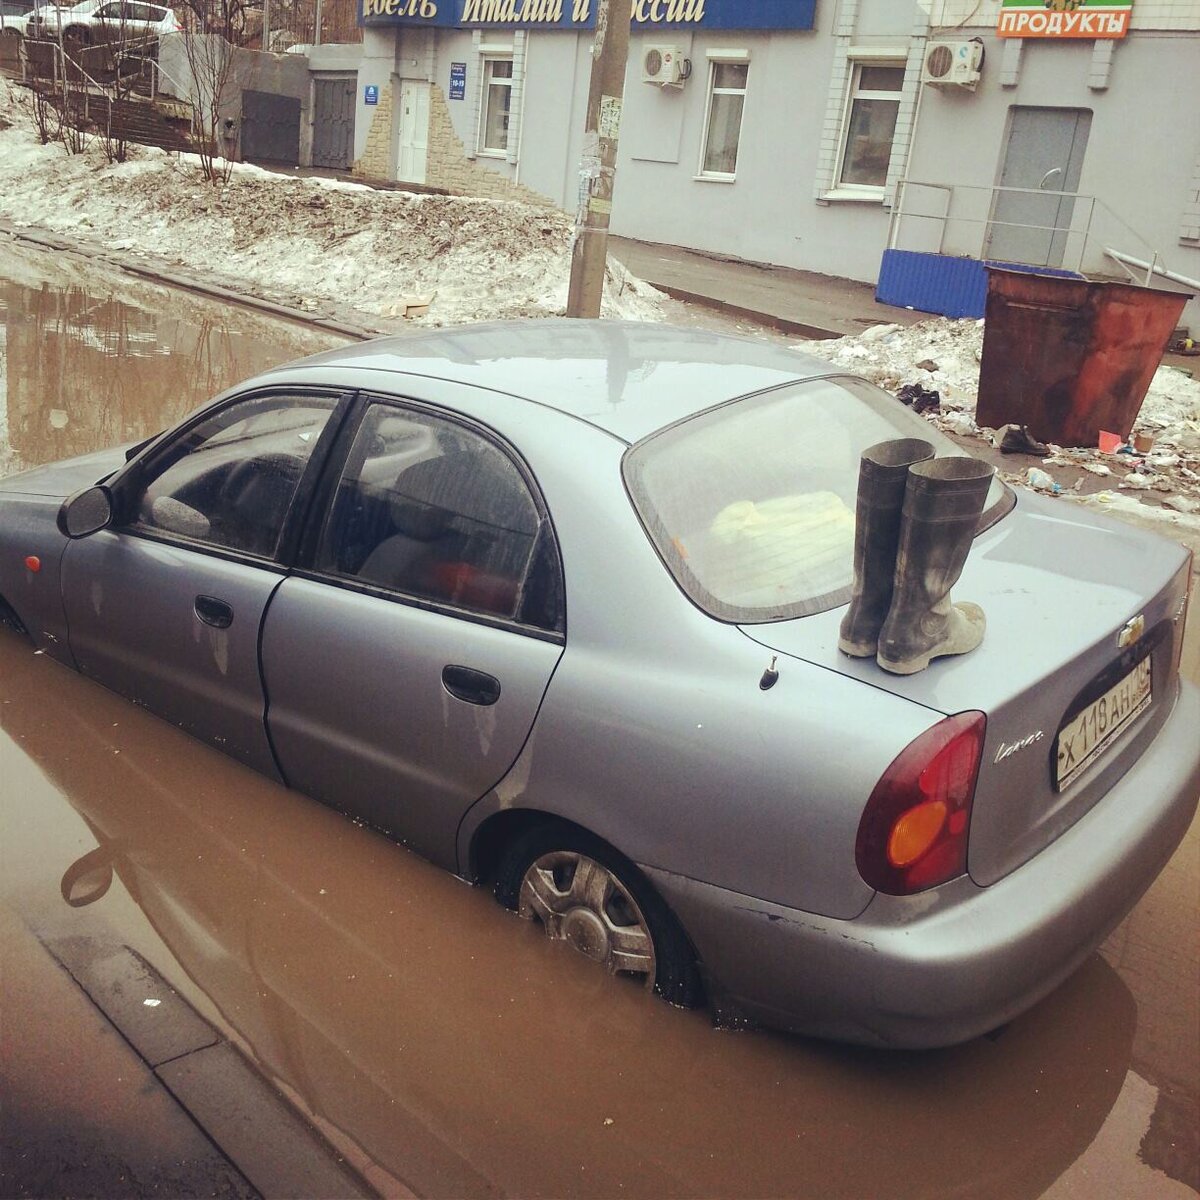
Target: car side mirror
{"points": [[86, 512]]}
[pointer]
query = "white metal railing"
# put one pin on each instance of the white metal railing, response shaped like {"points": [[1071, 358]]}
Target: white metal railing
{"points": [[962, 219]]}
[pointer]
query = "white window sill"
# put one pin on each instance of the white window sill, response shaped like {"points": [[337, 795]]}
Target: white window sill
{"points": [[503, 154], [715, 178], [853, 196]]}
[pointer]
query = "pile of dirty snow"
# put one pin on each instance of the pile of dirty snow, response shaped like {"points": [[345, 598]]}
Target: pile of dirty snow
{"points": [[306, 241], [943, 355]]}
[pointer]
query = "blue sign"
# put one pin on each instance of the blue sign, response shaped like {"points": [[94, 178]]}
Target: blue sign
{"points": [[371, 93], [458, 80], [658, 16]]}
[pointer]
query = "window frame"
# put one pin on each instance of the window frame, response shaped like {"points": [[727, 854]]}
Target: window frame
{"points": [[856, 62], [735, 58], [127, 486], [486, 62], [321, 512]]}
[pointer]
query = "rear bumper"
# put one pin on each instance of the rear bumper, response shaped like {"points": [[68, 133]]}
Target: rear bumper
{"points": [[956, 962]]}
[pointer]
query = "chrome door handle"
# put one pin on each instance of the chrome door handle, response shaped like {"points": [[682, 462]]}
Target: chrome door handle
{"points": [[1052, 171], [214, 612], [471, 686]]}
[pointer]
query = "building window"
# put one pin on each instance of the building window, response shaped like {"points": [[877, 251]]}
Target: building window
{"points": [[497, 105], [870, 125], [723, 121]]}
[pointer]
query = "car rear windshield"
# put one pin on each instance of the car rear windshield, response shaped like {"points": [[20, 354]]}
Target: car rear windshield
{"points": [[751, 505]]}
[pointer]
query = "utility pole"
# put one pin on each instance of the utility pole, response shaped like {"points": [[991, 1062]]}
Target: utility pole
{"points": [[598, 166]]}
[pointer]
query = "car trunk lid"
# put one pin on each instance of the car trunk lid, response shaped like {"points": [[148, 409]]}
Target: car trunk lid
{"points": [[1060, 588]]}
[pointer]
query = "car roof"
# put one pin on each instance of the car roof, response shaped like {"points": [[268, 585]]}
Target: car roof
{"points": [[628, 378]]}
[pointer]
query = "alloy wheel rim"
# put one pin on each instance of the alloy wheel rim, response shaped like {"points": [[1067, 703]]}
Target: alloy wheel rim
{"points": [[581, 902]]}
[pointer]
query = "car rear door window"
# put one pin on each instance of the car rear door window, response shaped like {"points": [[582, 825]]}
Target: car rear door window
{"points": [[434, 510], [230, 479]]}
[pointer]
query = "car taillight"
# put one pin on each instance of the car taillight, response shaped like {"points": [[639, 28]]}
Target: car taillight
{"points": [[913, 832]]}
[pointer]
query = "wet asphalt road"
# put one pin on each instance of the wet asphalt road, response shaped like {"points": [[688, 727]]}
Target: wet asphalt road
{"points": [[442, 1045]]}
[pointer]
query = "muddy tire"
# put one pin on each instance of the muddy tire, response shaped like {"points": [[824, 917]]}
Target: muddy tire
{"points": [[585, 893]]}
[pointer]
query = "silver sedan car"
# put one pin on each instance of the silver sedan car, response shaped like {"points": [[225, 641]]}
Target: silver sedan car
{"points": [[557, 604]]}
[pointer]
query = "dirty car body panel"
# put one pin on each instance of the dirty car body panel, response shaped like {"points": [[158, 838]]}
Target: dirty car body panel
{"points": [[543, 652]]}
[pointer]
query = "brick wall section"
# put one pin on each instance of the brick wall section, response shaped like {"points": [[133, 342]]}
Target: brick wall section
{"points": [[449, 167], [376, 161]]}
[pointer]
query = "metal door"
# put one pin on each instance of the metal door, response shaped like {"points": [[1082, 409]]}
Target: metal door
{"points": [[1044, 154], [333, 123], [270, 128], [414, 131], [135, 610]]}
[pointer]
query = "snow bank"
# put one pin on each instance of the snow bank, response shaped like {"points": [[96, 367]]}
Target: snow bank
{"points": [[307, 240], [944, 355]]}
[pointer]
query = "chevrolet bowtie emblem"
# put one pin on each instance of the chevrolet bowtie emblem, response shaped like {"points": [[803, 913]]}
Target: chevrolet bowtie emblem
{"points": [[1132, 631]]}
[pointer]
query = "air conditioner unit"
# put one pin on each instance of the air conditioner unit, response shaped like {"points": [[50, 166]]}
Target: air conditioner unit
{"points": [[953, 64], [664, 65]]}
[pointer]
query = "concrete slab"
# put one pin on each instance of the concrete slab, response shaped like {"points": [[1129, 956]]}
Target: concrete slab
{"points": [[270, 1143], [152, 1016]]}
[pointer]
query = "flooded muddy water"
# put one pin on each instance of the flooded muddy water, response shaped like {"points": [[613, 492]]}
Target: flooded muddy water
{"points": [[450, 1046], [92, 357]]}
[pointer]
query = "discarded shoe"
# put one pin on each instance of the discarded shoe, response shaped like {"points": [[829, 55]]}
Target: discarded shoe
{"points": [[1018, 440], [882, 478], [942, 505]]}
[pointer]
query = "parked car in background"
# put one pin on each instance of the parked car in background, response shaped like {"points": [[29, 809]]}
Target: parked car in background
{"points": [[14, 18], [557, 605], [46, 19], [91, 21]]}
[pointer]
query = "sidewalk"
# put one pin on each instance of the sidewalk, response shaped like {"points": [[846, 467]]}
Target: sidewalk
{"points": [[114, 1086], [799, 302]]}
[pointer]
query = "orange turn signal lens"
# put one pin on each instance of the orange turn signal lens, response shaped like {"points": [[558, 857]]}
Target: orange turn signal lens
{"points": [[33, 563], [915, 831]]}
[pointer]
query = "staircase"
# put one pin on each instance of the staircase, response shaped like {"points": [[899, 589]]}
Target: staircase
{"points": [[91, 102]]}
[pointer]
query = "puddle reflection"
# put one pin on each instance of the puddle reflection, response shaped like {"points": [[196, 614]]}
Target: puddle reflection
{"points": [[91, 358], [469, 1056]]}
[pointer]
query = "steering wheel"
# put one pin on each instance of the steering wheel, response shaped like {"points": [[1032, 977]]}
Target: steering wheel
{"points": [[254, 497]]}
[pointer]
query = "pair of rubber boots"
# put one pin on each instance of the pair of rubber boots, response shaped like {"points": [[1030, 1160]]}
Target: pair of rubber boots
{"points": [[916, 518]]}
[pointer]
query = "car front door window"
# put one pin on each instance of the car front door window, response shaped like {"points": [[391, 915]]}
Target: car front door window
{"points": [[230, 480]]}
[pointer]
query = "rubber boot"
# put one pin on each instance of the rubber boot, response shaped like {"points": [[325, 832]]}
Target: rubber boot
{"points": [[882, 477], [942, 506]]}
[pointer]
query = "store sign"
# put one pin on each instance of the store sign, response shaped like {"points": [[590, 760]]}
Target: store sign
{"points": [[648, 15], [458, 81], [371, 93], [1063, 19]]}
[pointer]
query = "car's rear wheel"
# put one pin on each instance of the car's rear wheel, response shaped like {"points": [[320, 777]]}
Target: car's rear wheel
{"points": [[584, 893]]}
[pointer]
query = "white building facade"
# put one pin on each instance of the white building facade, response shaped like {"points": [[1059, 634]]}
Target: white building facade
{"points": [[818, 133]]}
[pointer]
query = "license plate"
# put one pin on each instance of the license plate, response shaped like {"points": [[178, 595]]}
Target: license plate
{"points": [[1093, 730]]}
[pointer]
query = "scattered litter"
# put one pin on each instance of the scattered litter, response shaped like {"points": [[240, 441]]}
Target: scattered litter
{"points": [[961, 423], [151, 1003], [1143, 443], [927, 364], [608, 1120], [1097, 468], [919, 399], [1135, 480], [1110, 443], [1183, 504], [1041, 481]]}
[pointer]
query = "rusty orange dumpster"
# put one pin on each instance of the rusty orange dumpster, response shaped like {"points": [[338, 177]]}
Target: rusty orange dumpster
{"points": [[1069, 357]]}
